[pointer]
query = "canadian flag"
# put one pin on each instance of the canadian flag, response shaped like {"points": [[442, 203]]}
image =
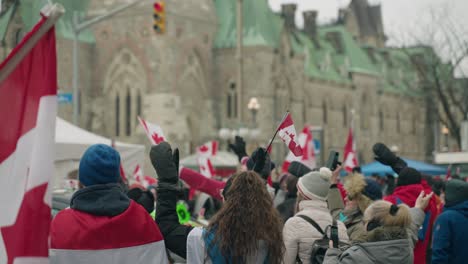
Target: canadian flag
{"points": [[287, 132], [154, 132], [350, 158], [206, 169], [28, 109], [138, 174], [308, 151], [209, 149]]}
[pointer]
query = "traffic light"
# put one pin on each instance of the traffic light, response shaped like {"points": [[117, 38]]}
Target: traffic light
{"points": [[159, 16]]}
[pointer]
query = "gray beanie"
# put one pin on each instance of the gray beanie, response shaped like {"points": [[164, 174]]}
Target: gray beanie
{"points": [[456, 191], [315, 184]]}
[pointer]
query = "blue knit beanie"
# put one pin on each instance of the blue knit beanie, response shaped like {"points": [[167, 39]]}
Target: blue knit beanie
{"points": [[100, 164]]}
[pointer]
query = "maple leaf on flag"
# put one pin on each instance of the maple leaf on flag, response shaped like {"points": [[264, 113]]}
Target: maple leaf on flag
{"points": [[203, 148], [157, 138], [153, 131], [287, 132]]}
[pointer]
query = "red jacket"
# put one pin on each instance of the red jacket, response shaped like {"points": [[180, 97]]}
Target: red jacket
{"points": [[408, 195]]}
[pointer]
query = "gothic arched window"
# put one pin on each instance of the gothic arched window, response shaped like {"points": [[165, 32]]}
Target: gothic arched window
{"points": [[345, 116], [324, 113], [231, 103], [381, 121], [117, 115], [138, 104], [128, 114]]}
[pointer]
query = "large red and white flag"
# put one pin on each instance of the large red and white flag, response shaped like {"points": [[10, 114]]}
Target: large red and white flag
{"points": [[350, 157], [308, 151], [209, 149], [206, 168], [153, 131], [287, 132], [28, 109]]}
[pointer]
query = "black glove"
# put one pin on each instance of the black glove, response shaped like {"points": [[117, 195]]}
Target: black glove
{"points": [[238, 147], [385, 156], [260, 163], [165, 162]]}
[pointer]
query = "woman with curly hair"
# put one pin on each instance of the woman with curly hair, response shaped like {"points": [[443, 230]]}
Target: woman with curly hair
{"points": [[247, 229]]}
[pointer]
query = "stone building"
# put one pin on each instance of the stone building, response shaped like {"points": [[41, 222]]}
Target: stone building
{"points": [[329, 76]]}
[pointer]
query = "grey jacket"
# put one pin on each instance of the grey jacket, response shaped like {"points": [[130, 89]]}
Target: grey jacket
{"points": [[389, 245]]}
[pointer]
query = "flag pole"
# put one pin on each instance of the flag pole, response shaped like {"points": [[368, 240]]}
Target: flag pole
{"points": [[276, 132]]}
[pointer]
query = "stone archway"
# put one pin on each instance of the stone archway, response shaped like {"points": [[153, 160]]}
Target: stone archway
{"points": [[124, 88], [195, 103]]}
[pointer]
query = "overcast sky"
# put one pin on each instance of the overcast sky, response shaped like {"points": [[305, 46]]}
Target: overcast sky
{"points": [[402, 18]]}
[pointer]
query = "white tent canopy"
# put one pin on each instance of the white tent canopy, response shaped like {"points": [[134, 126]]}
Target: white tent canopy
{"points": [[72, 141], [222, 159]]}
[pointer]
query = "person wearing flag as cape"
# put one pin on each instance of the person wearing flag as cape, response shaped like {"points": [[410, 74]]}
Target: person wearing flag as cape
{"points": [[102, 224]]}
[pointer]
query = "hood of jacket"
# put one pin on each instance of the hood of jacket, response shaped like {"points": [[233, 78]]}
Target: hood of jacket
{"points": [[459, 207], [386, 245], [100, 200], [408, 193]]}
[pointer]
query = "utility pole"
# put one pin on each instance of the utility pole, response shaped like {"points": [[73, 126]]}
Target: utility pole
{"points": [[239, 55], [78, 27]]}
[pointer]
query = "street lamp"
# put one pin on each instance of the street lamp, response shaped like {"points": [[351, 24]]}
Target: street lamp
{"points": [[253, 106], [445, 132]]}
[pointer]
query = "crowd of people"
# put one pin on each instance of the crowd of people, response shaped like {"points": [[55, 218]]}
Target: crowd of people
{"points": [[307, 215]]}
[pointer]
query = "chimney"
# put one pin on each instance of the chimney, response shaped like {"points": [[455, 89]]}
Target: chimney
{"points": [[310, 23], [288, 11], [335, 39]]}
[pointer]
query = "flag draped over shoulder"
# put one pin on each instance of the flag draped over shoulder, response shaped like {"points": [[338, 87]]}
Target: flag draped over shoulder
{"points": [[28, 107]]}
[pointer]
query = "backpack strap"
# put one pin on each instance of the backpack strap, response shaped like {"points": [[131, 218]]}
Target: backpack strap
{"points": [[313, 223]]}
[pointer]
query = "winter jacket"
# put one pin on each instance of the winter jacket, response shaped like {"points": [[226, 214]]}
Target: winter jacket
{"points": [[383, 245], [103, 225], [450, 238], [351, 218], [299, 235], [408, 194]]}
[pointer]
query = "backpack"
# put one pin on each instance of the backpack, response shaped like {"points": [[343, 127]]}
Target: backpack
{"points": [[320, 246]]}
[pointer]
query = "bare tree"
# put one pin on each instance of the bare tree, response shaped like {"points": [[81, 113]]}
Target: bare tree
{"points": [[437, 54]]}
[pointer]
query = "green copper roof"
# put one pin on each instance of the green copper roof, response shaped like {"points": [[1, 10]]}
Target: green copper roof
{"points": [[358, 59], [29, 10], [261, 26]]}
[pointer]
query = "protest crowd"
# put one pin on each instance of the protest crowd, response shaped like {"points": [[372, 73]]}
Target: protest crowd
{"points": [[307, 215], [263, 213]]}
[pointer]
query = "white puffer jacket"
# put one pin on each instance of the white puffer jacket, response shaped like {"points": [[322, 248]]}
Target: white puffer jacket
{"points": [[299, 235]]}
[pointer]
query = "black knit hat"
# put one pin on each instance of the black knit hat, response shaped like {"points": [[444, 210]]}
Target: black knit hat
{"points": [[298, 169], [456, 191], [408, 176]]}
